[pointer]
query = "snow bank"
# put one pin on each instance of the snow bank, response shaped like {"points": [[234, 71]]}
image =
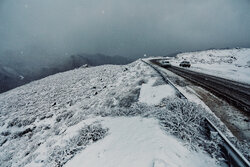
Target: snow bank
{"points": [[232, 64], [138, 142], [153, 95]]}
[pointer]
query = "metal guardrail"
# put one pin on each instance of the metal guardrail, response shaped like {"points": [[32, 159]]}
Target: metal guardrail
{"points": [[231, 154], [236, 97], [179, 94]]}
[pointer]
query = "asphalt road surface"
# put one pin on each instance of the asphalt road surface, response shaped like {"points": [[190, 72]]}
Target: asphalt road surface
{"points": [[237, 94]]}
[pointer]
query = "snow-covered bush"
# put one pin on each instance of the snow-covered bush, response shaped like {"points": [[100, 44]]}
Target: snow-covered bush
{"points": [[181, 118], [186, 120], [128, 99], [64, 116], [21, 122], [60, 154]]}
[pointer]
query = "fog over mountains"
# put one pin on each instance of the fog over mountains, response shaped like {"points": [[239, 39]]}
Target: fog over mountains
{"points": [[15, 71], [39, 37], [128, 28]]}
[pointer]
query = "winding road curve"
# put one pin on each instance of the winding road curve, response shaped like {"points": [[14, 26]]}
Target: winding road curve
{"points": [[237, 94]]}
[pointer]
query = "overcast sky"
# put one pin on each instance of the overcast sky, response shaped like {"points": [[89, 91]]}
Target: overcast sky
{"points": [[123, 27]]}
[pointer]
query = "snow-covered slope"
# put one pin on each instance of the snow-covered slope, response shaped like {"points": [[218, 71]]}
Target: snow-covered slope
{"points": [[98, 115], [138, 142], [232, 64]]}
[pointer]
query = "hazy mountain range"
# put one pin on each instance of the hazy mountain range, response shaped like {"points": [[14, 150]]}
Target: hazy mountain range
{"points": [[16, 71]]}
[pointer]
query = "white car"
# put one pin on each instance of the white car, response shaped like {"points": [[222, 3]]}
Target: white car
{"points": [[165, 63]]}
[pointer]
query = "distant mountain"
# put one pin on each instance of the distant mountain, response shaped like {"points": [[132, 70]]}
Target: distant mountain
{"points": [[9, 78], [96, 59], [14, 72]]}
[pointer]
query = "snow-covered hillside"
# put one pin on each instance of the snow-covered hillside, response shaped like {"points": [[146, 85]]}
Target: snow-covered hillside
{"points": [[232, 64], [103, 116]]}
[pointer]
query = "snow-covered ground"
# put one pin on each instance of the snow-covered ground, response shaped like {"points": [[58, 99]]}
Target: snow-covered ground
{"points": [[103, 115], [233, 64], [138, 142], [153, 95]]}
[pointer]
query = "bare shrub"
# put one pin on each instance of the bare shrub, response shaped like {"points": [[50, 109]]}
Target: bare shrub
{"points": [[21, 122], [130, 98]]}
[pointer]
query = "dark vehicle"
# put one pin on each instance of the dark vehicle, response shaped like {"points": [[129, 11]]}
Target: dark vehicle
{"points": [[185, 64]]}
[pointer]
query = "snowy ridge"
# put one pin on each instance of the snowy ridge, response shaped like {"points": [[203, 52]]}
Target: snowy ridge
{"points": [[56, 120], [39, 113], [232, 64]]}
